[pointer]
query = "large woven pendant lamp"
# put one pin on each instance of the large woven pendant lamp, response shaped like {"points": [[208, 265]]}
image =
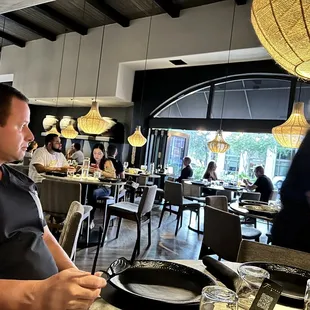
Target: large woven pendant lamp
{"points": [[291, 133], [92, 123], [137, 139], [283, 28]]}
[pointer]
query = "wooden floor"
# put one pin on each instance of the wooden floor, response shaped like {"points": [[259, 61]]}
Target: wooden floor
{"points": [[165, 245]]}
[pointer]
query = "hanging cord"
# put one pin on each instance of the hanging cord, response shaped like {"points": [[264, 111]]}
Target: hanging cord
{"points": [[78, 60], [299, 90], [227, 70], [100, 57], [2, 39], [61, 65]]}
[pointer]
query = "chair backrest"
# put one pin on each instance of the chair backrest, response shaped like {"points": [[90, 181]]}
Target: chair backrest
{"points": [[57, 196], [147, 200], [222, 233], [274, 194], [250, 196], [71, 230], [227, 193], [142, 180], [255, 251], [173, 193], [186, 188], [217, 202]]}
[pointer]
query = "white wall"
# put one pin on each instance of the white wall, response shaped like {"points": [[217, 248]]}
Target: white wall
{"points": [[201, 30]]}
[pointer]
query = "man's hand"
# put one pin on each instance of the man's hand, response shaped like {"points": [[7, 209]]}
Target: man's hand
{"points": [[69, 289]]}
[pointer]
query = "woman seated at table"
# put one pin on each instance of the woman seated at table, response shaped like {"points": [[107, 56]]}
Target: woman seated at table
{"points": [[105, 165], [210, 173]]}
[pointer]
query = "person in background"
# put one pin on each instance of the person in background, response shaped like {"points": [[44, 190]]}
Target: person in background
{"points": [[262, 185], [112, 153], [32, 146], [210, 173], [35, 272], [70, 151], [77, 155], [291, 225], [105, 165], [47, 158], [187, 171]]}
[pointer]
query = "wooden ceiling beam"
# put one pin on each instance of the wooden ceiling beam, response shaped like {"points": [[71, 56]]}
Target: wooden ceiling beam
{"points": [[171, 8], [61, 18], [106, 9], [31, 26], [13, 39]]}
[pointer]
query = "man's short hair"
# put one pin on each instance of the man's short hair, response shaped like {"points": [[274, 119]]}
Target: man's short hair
{"points": [[260, 169], [77, 146], [49, 138], [187, 160], [111, 150], [6, 94]]}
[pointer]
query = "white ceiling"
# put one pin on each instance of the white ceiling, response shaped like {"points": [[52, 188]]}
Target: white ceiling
{"points": [[111, 102], [13, 5]]}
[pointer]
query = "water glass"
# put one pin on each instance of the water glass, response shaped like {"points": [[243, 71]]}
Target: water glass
{"points": [[218, 298], [84, 173], [97, 174], [252, 279], [126, 164], [307, 297], [70, 172]]}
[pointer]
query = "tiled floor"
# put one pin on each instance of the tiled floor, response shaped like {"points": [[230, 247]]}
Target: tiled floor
{"points": [[164, 244]]}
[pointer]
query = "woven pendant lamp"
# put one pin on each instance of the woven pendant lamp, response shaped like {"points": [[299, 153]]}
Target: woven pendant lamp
{"points": [[291, 133], [53, 131], [282, 27], [93, 123], [218, 144], [137, 139], [69, 132]]}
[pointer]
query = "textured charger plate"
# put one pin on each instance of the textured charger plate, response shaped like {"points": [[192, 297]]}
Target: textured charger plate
{"points": [[253, 202], [261, 209], [293, 280], [163, 281]]}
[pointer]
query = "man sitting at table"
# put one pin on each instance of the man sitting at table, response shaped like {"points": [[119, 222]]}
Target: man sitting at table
{"points": [[187, 171], [262, 185], [35, 272], [47, 158], [77, 154]]}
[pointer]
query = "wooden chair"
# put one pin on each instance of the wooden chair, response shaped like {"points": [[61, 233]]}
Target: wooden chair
{"points": [[222, 234], [254, 251], [71, 229], [220, 203], [174, 197], [139, 213], [227, 193], [250, 196]]}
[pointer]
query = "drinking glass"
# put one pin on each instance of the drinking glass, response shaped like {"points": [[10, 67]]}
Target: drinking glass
{"points": [[97, 174], [69, 162], [84, 173], [126, 165], [252, 278], [307, 297], [70, 172], [218, 298]]}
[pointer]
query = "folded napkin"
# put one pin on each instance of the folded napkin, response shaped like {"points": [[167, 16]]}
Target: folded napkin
{"points": [[224, 274]]}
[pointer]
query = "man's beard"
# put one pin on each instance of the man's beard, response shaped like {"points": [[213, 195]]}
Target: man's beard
{"points": [[56, 150]]}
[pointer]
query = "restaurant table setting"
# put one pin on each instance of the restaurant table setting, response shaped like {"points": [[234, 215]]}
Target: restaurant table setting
{"points": [[194, 284]]}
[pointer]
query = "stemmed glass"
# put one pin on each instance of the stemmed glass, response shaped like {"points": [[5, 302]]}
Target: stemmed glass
{"points": [[126, 165]]}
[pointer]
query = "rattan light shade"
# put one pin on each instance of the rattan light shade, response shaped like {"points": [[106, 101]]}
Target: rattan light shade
{"points": [[53, 131], [291, 133], [137, 139], [69, 132], [93, 123], [218, 144], [282, 27]]}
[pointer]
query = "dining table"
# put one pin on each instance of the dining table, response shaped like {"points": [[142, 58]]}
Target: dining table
{"points": [[111, 299]]}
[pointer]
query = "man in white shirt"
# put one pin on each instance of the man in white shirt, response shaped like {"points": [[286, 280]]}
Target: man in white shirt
{"points": [[47, 158], [78, 154]]}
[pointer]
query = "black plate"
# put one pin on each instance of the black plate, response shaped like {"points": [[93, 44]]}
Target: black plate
{"points": [[293, 280], [163, 281], [56, 173]]}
